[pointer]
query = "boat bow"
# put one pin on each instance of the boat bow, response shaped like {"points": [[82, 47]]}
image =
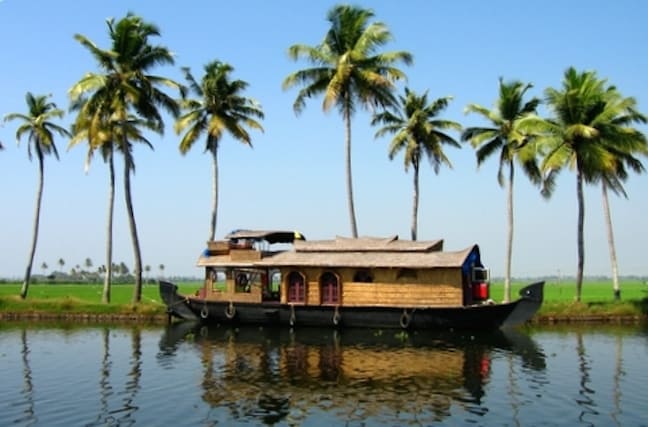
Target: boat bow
{"points": [[531, 297]]}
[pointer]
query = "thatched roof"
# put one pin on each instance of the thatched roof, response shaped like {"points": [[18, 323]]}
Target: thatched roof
{"points": [[354, 253], [368, 244], [369, 259], [222, 261]]}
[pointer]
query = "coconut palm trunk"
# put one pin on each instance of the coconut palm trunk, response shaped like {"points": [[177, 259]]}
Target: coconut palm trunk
{"points": [[509, 235], [105, 298], [349, 175], [580, 234], [415, 202], [610, 237], [32, 252], [137, 271], [214, 213]]}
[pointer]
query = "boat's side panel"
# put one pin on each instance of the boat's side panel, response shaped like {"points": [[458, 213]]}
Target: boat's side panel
{"points": [[230, 313], [400, 295], [483, 317], [434, 287], [429, 318]]}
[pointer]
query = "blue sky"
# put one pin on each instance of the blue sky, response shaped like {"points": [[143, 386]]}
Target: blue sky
{"points": [[293, 178]]}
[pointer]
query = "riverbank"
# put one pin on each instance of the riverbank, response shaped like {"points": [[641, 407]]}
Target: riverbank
{"points": [[162, 319], [14, 309], [81, 303]]}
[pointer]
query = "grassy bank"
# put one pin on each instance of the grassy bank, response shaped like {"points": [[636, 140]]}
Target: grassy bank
{"points": [[63, 299], [60, 300]]}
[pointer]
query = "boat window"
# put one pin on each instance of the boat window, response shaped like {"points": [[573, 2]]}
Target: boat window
{"points": [[363, 276], [217, 279], [271, 285], [407, 273], [480, 274], [275, 281], [330, 288], [242, 281], [296, 287]]}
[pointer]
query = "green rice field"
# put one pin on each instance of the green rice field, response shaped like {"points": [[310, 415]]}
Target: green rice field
{"points": [[599, 290]]}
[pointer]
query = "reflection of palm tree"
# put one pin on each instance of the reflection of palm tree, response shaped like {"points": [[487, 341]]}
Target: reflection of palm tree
{"points": [[28, 389], [586, 402], [133, 382], [513, 389], [616, 383], [104, 382]]}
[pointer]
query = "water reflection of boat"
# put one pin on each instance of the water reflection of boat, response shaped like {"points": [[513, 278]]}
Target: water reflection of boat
{"points": [[368, 282], [269, 372]]}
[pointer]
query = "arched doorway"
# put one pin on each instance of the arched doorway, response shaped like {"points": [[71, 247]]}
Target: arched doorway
{"points": [[296, 287], [330, 288]]}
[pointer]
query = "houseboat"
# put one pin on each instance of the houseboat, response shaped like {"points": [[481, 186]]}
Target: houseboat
{"points": [[280, 278]]}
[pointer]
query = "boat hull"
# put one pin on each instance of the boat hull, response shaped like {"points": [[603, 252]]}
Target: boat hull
{"points": [[483, 316]]}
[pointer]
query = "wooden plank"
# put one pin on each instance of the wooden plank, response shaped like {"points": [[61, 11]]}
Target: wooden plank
{"points": [[244, 255]]}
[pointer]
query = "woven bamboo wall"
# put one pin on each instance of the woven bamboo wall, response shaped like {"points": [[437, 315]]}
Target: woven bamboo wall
{"points": [[235, 297], [218, 247], [244, 255], [390, 287], [230, 293], [400, 295]]}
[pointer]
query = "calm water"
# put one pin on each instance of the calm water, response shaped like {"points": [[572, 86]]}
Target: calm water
{"points": [[185, 376]]}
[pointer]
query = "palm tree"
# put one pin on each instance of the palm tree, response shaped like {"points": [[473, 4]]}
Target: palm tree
{"points": [[507, 136], [123, 268], [588, 133], [61, 263], [93, 124], [419, 133], [123, 95], [220, 108], [161, 267], [348, 71], [624, 147], [40, 129]]}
